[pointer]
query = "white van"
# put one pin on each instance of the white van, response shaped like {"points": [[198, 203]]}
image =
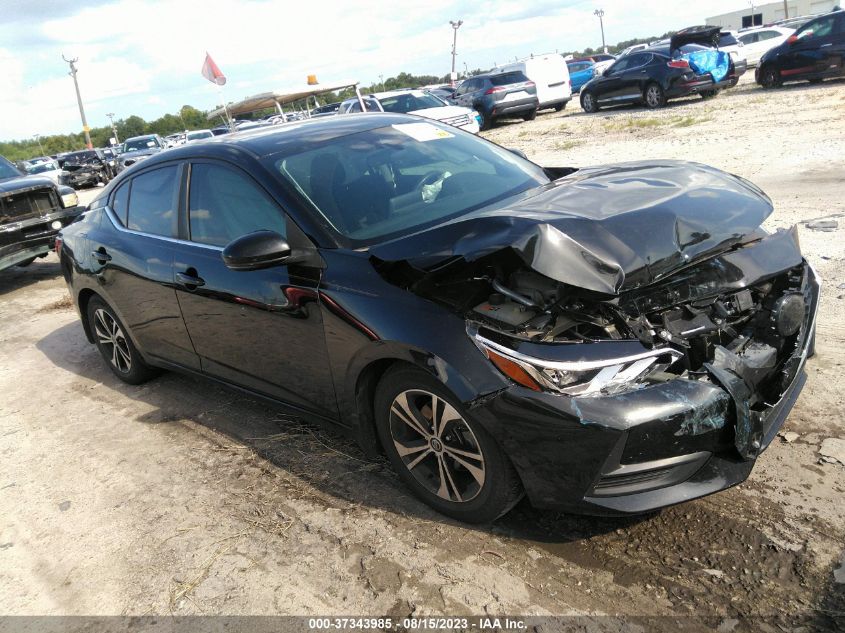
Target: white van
{"points": [[551, 76]]}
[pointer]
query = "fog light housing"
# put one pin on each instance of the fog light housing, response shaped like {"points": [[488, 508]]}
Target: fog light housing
{"points": [[56, 225]]}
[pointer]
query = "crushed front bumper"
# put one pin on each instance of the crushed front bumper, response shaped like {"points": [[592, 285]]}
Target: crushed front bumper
{"points": [[656, 446]]}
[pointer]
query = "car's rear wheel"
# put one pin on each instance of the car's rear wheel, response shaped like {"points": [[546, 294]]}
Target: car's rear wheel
{"points": [[530, 115], [445, 457], [115, 346], [589, 103], [770, 78], [654, 96], [708, 94]]}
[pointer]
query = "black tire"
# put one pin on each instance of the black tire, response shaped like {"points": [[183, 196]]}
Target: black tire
{"points": [[486, 121], [25, 262], [486, 500], [530, 115], [115, 347], [770, 78], [560, 106], [653, 96], [589, 103], [708, 94]]}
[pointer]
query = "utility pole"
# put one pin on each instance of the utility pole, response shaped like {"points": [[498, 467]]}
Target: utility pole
{"points": [[455, 27], [600, 14], [40, 146], [85, 127], [381, 78], [110, 115], [785, 9]]}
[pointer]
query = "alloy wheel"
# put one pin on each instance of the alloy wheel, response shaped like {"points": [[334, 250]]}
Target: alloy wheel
{"points": [[437, 445], [588, 102], [111, 339], [653, 96]]}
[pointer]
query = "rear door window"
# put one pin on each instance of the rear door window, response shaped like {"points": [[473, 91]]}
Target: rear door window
{"points": [[153, 202], [226, 204]]}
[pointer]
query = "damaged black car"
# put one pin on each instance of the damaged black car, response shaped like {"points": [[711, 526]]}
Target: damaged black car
{"points": [[86, 168], [604, 340], [33, 210]]}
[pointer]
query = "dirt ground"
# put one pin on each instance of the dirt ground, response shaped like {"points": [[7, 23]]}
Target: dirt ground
{"points": [[181, 497]]}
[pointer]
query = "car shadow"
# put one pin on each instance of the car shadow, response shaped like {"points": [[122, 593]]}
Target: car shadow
{"points": [[16, 278], [292, 443]]}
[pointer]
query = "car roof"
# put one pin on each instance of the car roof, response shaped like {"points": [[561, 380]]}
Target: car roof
{"points": [[290, 137]]}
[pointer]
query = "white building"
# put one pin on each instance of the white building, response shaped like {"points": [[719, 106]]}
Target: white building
{"points": [[770, 12]]}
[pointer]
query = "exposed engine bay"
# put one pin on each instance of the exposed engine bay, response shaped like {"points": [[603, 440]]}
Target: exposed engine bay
{"points": [[709, 311]]}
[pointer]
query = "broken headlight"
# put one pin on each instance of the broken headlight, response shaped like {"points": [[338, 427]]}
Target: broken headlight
{"points": [[578, 378]]}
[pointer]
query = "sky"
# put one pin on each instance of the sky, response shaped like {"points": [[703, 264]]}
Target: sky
{"points": [[144, 56]]}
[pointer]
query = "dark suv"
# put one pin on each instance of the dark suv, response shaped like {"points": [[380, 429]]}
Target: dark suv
{"points": [[814, 52], [33, 210], [497, 96]]}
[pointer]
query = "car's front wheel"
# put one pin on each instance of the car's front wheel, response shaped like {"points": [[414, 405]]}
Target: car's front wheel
{"points": [[654, 96], [485, 121], [115, 346], [446, 458], [589, 103], [708, 94], [530, 115]]}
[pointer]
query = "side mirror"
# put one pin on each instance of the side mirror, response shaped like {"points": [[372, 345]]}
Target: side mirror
{"points": [[254, 251]]}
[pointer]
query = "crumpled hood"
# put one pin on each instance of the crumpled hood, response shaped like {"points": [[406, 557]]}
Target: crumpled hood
{"points": [[607, 229]]}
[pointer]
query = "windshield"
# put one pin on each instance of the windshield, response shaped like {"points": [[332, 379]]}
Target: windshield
{"points": [[390, 181], [197, 135], [7, 170], [409, 102], [41, 168], [79, 157], [135, 144]]}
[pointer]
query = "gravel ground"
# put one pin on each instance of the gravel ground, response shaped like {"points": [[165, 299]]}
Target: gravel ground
{"points": [[181, 497]]}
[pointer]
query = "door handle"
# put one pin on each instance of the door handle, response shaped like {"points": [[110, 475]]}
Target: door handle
{"points": [[190, 280], [101, 256]]}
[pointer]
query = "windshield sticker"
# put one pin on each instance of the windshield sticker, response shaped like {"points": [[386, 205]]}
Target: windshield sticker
{"points": [[422, 132]]}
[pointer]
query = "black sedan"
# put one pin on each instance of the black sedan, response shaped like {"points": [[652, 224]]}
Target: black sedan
{"points": [[814, 52], [655, 75], [605, 340]]}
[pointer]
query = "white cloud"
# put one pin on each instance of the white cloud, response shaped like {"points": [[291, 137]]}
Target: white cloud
{"points": [[144, 56]]}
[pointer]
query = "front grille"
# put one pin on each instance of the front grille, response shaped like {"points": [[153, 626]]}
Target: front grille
{"points": [[457, 121], [21, 206]]}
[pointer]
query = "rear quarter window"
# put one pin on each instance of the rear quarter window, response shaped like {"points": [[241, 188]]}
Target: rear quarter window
{"points": [[514, 77], [120, 202]]}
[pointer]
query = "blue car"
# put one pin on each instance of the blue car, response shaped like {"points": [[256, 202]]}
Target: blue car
{"points": [[580, 73]]}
